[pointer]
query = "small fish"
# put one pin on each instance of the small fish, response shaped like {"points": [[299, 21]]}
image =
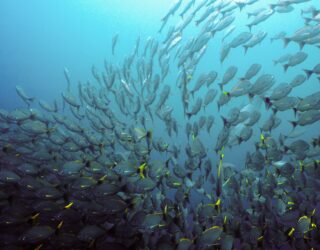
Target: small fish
{"points": [[295, 59], [27, 99], [262, 16], [240, 39], [298, 80], [195, 109], [228, 76], [225, 49], [256, 39], [252, 71], [114, 43], [278, 36]]}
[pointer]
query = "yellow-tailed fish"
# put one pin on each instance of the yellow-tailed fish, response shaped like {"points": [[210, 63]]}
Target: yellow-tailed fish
{"points": [[291, 232], [141, 170], [60, 225], [69, 205], [39, 247]]}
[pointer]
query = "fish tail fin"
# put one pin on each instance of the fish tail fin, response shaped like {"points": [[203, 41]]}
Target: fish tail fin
{"points": [[267, 102], [240, 5], [274, 110], [272, 6], [63, 104], [275, 62], [188, 115], [285, 67], [282, 138], [294, 124], [245, 49], [301, 45], [315, 12], [240, 140], [307, 20], [318, 78], [55, 104], [249, 26], [308, 72], [271, 40], [197, 22], [250, 95], [286, 41], [225, 121], [295, 111], [285, 148], [221, 86]]}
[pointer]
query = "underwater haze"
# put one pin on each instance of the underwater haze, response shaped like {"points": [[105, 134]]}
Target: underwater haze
{"points": [[172, 124], [40, 38]]}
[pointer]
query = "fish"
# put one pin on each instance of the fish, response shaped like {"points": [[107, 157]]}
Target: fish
{"points": [[282, 59], [262, 16], [228, 32], [255, 39], [139, 158], [255, 12], [210, 236], [245, 134], [315, 70], [309, 102], [298, 80], [252, 71], [209, 11], [164, 96], [224, 98], [187, 7], [285, 103], [224, 52], [280, 91], [233, 116], [209, 97], [240, 39], [48, 107], [303, 33], [278, 36], [210, 122], [27, 99], [262, 84], [241, 88], [295, 59], [284, 9], [204, 79], [228, 76], [224, 23], [114, 43], [195, 109], [223, 138]]}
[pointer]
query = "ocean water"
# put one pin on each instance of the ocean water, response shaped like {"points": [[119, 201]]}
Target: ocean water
{"points": [[39, 39]]}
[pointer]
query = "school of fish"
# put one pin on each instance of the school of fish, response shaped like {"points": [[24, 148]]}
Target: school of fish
{"points": [[135, 157]]}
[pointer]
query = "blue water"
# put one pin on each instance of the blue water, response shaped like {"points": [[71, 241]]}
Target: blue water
{"points": [[40, 38]]}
